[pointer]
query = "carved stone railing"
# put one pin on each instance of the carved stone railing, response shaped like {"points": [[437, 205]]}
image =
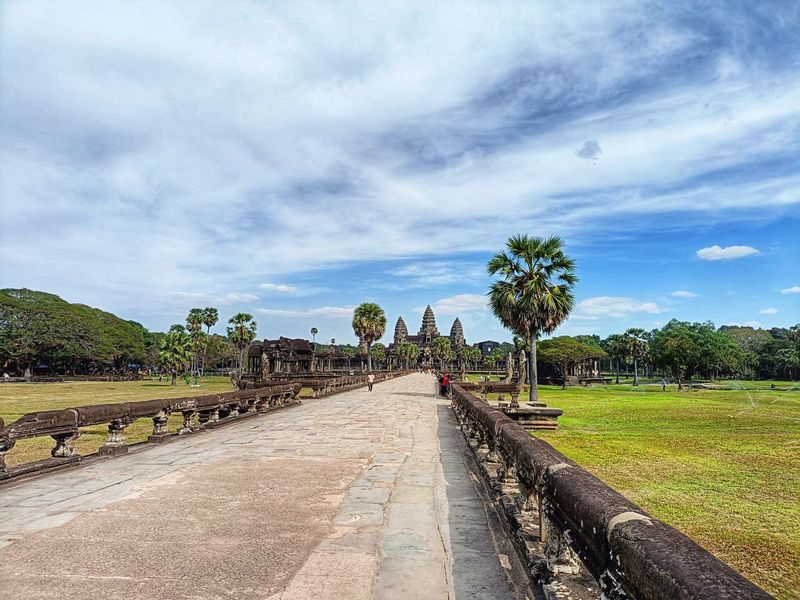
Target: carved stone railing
{"points": [[199, 413], [326, 386], [566, 523]]}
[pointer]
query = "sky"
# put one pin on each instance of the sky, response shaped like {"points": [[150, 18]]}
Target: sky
{"points": [[294, 159]]}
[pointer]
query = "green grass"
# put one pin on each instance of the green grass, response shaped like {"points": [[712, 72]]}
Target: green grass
{"points": [[721, 466], [17, 399]]}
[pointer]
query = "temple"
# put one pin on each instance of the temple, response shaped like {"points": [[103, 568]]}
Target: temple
{"points": [[428, 332]]}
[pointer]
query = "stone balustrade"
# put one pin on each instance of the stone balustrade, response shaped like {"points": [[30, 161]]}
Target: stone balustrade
{"points": [[325, 386], [570, 528], [199, 413]]}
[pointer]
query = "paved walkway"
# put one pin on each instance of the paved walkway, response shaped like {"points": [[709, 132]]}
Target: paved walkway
{"points": [[360, 495]]}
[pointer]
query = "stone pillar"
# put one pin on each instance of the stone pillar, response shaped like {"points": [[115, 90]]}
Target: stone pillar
{"points": [[115, 442], [557, 553], [160, 432], [188, 422], [65, 444], [5, 446]]}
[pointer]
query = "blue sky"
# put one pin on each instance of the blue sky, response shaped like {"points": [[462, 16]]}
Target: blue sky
{"points": [[295, 159]]}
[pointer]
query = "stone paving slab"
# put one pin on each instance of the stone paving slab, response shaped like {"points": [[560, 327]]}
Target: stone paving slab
{"points": [[360, 495]]}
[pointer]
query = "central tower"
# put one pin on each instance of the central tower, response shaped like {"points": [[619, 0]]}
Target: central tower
{"points": [[428, 332]]}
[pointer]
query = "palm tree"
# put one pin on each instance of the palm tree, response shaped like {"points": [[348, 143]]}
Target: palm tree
{"points": [[314, 332], [241, 333], [636, 339], [617, 348], [442, 350], [369, 324], [534, 292], [176, 352], [210, 318], [194, 324]]}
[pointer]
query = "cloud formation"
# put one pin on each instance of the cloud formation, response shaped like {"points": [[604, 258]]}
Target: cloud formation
{"points": [[769, 311], [335, 312], [613, 306], [727, 253], [590, 150], [149, 152], [279, 288], [459, 304], [683, 294], [791, 290]]}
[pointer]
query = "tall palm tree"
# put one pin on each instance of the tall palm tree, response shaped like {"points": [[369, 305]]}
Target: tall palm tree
{"points": [[369, 324], [210, 318], [616, 346], [194, 324], [314, 332], [636, 339], [533, 294], [175, 352], [241, 332]]}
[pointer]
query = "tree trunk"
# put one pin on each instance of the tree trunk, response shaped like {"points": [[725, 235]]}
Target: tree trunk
{"points": [[635, 371], [533, 387], [27, 373], [369, 358], [174, 378], [617, 365]]}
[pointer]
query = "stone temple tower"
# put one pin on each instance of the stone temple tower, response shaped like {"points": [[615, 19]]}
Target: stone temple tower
{"points": [[457, 335], [429, 331], [400, 332]]}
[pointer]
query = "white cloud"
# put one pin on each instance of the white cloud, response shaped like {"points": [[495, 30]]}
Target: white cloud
{"points": [[769, 311], [727, 253], [333, 312], [279, 288], [458, 304], [683, 294], [612, 306], [791, 290], [753, 324], [224, 299], [319, 114], [438, 273]]}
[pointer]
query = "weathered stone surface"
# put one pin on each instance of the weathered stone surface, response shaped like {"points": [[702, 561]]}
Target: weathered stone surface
{"points": [[260, 509]]}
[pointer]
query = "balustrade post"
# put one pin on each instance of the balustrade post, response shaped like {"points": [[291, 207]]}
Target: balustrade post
{"points": [[160, 431], [5, 447], [557, 552], [65, 444], [188, 422], [515, 399], [115, 442]]}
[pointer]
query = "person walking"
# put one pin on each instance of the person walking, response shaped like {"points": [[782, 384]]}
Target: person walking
{"points": [[370, 381]]}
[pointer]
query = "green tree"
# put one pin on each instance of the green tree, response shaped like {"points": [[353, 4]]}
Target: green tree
{"points": [[441, 350], [241, 332], [176, 352], [369, 324], [534, 292], [408, 352], [210, 318], [564, 352], [378, 353], [616, 346], [636, 342], [789, 360]]}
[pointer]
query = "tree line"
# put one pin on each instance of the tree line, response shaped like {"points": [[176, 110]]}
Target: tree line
{"points": [[38, 329]]}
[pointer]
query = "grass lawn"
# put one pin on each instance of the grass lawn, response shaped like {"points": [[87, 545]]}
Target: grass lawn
{"points": [[721, 466], [17, 399]]}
